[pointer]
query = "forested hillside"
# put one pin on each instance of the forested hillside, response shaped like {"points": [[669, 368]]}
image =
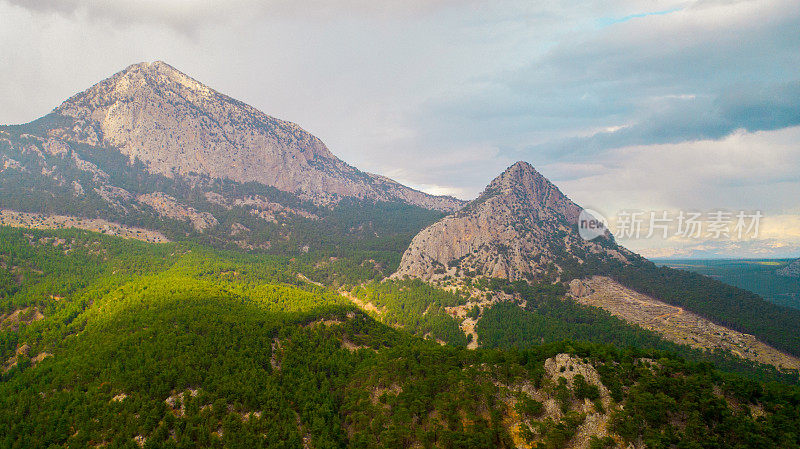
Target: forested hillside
{"points": [[116, 343], [48, 176], [536, 314], [416, 307]]}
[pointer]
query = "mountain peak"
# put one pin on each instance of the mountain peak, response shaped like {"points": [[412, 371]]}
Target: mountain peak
{"points": [[150, 65], [518, 173], [155, 65], [137, 81], [520, 166], [160, 69], [521, 227], [178, 126], [523, 184]]}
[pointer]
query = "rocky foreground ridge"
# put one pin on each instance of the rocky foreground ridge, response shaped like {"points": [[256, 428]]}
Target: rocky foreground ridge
{"points": [[521, 227]]}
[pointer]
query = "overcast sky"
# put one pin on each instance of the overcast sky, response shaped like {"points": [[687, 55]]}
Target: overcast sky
{"points": [[650, 105]]}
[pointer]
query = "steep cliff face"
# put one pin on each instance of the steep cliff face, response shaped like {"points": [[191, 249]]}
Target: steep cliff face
{"points": [[521, 226], [178, 126]]}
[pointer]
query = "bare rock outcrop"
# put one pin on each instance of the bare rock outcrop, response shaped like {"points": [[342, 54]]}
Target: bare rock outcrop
{"points": [[169, 207], [674, 323], [178, 126], [521, 226], [41, 221]]}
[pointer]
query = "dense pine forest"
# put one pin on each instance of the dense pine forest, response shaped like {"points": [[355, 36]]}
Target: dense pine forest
{"points": [[117, 343], [416, 307]]}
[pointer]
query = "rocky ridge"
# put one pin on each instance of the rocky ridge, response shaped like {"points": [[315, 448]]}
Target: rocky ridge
{"points": [[41, 221], [674, 323], [521, 227], [179, 126]]}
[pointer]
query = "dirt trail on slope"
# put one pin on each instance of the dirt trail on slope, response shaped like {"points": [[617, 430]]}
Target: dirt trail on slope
{"points": [[468, 327], [303, 278], [363, 305], [467, 324]]}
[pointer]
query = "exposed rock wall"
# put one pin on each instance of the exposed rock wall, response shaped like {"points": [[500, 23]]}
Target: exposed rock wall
{"points": [[178, 126], [521, 226]]}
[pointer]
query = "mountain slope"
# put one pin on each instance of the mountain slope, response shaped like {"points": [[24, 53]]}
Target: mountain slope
{"points": [[521, 227], [152, 148], [123, 344], [524, 230], [177, 125]]}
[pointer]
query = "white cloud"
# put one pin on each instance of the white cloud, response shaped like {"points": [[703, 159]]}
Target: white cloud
{"points": [[759, 170], [743, 172]]}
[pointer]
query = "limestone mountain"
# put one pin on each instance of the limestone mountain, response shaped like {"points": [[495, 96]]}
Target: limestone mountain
{"points": [[177, 125], [521, 227], [152, 148]]}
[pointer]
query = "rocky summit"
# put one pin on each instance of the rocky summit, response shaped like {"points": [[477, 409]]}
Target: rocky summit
{"points": [[521, 227], [178, 126]]}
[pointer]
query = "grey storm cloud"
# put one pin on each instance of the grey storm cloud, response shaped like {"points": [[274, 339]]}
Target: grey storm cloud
{"points": [[701, 72], [187, 15], [746, 107], [768, 108]]}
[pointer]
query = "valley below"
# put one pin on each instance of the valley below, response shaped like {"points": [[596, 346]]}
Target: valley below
{"points": [[776, 280]]}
